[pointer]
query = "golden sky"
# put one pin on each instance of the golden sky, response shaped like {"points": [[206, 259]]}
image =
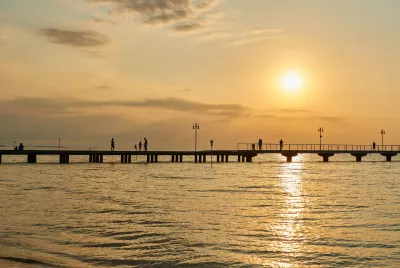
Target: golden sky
{"points": [[88, 70]]}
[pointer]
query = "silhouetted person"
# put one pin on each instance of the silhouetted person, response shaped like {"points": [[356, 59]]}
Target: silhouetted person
{"points": [[135, 147], [16, 148], [281, 144], [112, 144], [21, 147], [374, 145], [145, 144], [140, 146], [260, 144]]}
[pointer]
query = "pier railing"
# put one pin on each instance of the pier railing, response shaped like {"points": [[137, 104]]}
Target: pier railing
{"points": [[318, 148]]}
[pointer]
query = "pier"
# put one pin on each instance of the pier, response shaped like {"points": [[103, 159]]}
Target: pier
{"points": [[245, 152]]}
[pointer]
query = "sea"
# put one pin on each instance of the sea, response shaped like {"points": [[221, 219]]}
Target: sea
{"points": [[268, 213]]}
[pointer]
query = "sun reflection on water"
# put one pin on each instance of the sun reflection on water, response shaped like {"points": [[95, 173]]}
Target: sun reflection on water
{"points": [[289, 228]]}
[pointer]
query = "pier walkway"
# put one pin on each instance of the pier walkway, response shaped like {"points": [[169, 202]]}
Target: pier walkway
{"points": [[245, 152]]}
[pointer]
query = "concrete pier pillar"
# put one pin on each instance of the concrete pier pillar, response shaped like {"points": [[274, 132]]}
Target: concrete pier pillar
{"points": [[152, 158], [200, 158], [389, 156], [148, 158], [326, 156], [249, 159], [181, 158], [227, 158], [90, 158], [32, 158], [101, 158], [195, 158], [243, 158], [239, 158], [0, 158], [204, 158], [359, 156], [218, 158], [173, 158], [129, 159], [122, 158], [222, 158], [289, 156]]}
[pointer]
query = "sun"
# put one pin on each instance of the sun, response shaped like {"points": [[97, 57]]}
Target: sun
{"points": [[292, 81]]}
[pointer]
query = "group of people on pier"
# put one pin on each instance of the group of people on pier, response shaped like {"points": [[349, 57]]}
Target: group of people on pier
{"points": [[140, 145], [260, 144]]}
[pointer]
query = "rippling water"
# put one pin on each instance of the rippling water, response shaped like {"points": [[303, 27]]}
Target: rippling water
{"points": [[269, 213]]}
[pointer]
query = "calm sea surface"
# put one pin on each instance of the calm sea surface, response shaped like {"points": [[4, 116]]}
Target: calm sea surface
{"points": [[268, 213]]}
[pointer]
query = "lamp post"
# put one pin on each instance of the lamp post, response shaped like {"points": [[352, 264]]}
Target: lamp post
{"points": [[383, 132], [212, 144], [59, 144], [196, 126], [320, 130]]}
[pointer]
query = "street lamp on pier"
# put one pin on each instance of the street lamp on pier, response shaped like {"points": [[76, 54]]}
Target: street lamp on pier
{"points": [[383, 132], [196, 126], [320, 130]]}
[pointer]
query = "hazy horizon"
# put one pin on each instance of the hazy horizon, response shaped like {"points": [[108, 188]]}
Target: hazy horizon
{"points": [[85, 71]]}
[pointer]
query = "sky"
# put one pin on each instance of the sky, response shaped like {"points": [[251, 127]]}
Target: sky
{"points": [[86, 71]]}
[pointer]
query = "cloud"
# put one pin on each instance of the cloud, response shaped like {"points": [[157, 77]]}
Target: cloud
{"points": [[258, 35], [81, 39], [70, 105], [163, 12], [188, 27]]}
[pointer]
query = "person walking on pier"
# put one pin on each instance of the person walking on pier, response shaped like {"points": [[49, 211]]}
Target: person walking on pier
{"points": [[145, 144], [260, 144], [112, 144], [140, 146], [373, 145], [281, 144]]}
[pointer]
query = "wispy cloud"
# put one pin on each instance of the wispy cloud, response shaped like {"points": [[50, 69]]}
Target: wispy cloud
{"points": [[23, 105], [183, 15], [81, 39]]}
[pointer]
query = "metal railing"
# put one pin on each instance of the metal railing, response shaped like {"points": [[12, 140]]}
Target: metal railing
{"points": [[318, 148]]}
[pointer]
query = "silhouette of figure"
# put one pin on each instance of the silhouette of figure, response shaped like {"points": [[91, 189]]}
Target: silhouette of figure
{"points": [[145, 144], [140, 146], [260, 144], [281, 144], [135, 147], [112, 144], [16, 148], [374, 145], [21, 147]]}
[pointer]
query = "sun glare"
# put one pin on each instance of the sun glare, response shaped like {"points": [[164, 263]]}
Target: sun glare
{"points": [[292, 81]]}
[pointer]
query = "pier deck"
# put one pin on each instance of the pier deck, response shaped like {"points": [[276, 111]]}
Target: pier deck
{"points": [[244, 153]]}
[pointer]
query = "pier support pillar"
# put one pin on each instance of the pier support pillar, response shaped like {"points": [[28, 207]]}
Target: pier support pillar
{"points": [[249, 159], [239, 158], [32, 158], [122, 158], [389, 156], [64, 159], [200, 158], [218, 156], [195, 158], [227, 158], [148, 158], [90, 158], [101, 158], [0, 158], [289, 156], [173, 158], [181, 158], [204, 158], [326, 156], [222, 158], [129, 159], [243, 158], [152, 158], [359, 156]]}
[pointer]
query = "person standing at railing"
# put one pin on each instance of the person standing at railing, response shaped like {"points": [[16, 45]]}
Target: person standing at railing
{"points": [[281, 144], [373, 145], [260, 144]]}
